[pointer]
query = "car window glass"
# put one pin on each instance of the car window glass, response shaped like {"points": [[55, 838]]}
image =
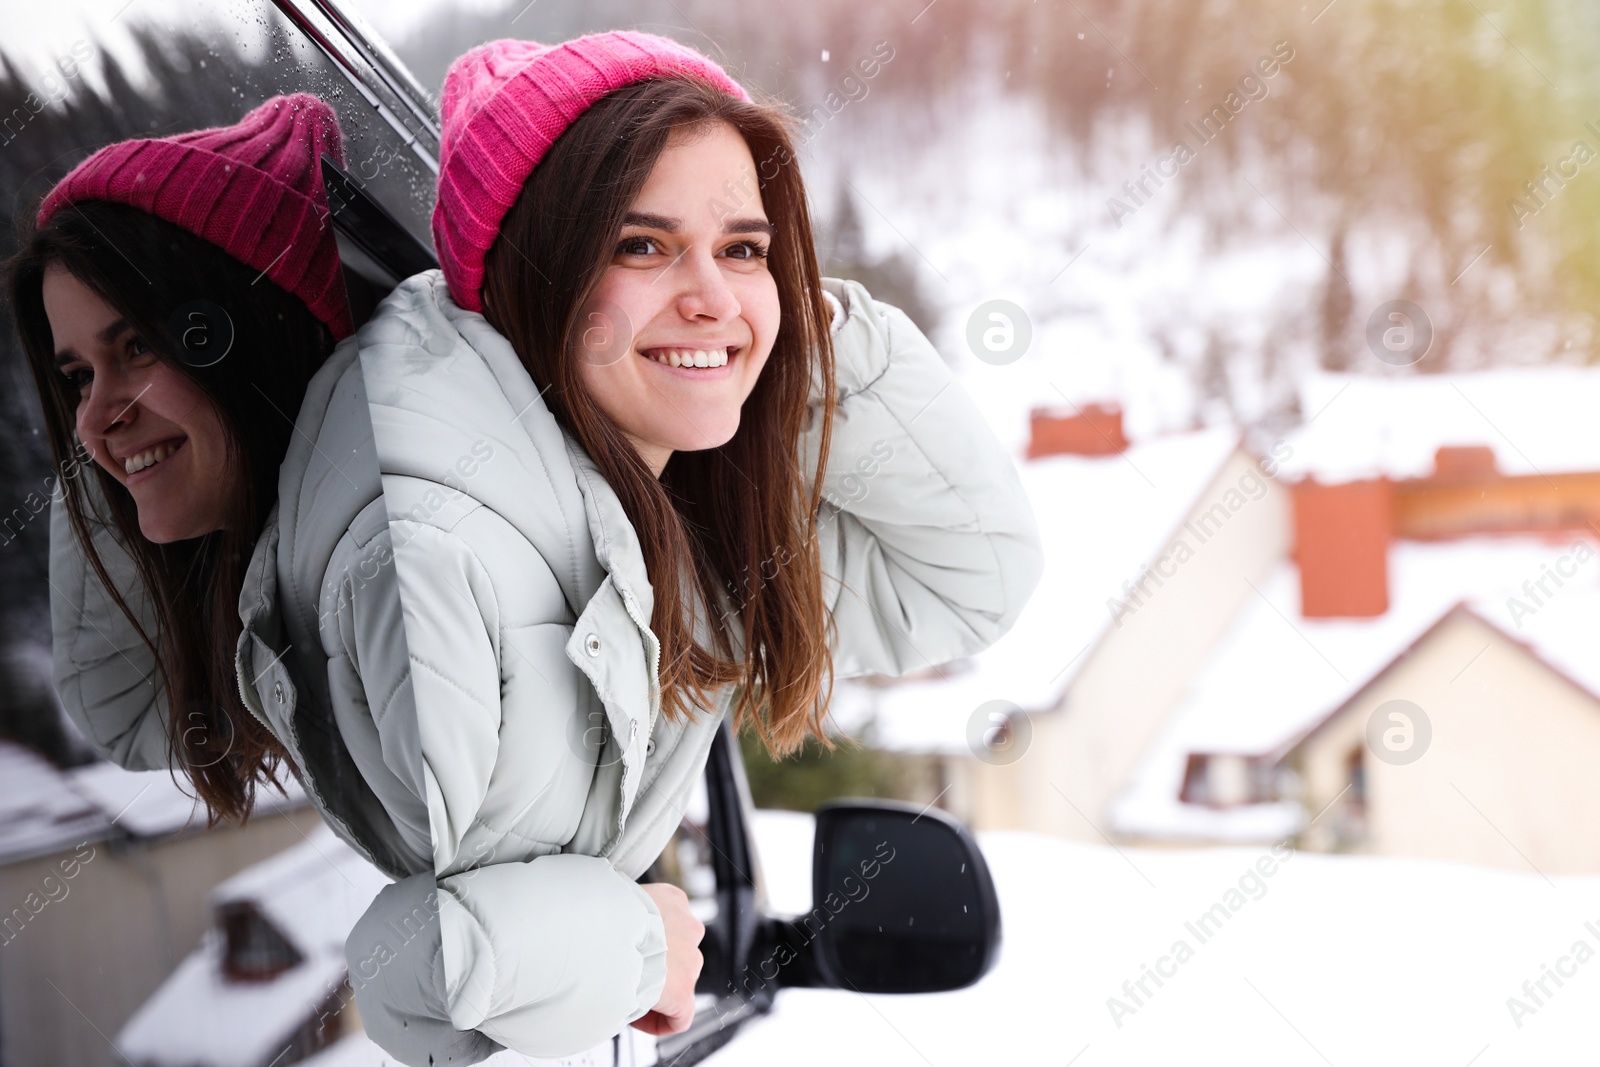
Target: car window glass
{"points": [[686, 862], [80, 75]]}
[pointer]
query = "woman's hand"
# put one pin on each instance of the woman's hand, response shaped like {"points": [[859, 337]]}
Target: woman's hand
{"points": [[674, 1012]]}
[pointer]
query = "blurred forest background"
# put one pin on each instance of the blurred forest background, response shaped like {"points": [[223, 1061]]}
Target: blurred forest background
{"points": [[1408, 149]]}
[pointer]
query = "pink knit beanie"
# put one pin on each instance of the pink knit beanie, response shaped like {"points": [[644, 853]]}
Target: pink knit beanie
{"points": [[253, 189], [504, 104]]}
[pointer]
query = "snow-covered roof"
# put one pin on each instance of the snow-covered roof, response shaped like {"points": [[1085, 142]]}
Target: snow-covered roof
{"points": [[1102, 519], [312, 894], [197, 1017], [44, 809], [40, 812], [1275, 675], [1538, 420], [152, 803]]}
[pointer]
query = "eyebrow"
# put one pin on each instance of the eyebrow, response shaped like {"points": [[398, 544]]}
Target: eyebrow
{"points": [[105, 337], [671, 225]]}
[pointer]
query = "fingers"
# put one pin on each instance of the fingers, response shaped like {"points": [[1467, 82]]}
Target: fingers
{"points": [[684, 931], [659, 1024]]}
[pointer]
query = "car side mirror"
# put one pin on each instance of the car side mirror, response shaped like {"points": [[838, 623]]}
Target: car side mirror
{"points": [[902, 902]]}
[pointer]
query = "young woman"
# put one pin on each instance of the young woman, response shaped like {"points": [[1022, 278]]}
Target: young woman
{"points": [[628, 492], [174, 299]]}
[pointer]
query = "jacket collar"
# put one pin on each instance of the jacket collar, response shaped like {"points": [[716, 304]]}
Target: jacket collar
{"points": [[258, 609], [615, 542]]}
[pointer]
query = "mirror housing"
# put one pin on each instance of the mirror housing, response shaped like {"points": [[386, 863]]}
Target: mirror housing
{"points": [[903, 902]]}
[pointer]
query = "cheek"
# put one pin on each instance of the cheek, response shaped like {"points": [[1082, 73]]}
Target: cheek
{"points": [[187, 406], [184, 404], [624, 301], [207, 425], [614, 388], [170, 394], [759, 299]]}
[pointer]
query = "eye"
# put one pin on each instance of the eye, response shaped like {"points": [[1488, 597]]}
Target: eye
{"points": [[78, 377], [748, 250], [637, 246], [137, 347]]}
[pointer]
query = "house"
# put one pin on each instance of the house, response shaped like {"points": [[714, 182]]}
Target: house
{"points": [[1230, 766], [268, 983], [1444, 557], [1272, 603], [1506, 775], [1145, 541], [103, 877]]}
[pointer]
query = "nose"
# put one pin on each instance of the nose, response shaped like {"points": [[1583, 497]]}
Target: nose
{"points": [[703, 290], [112, 404]]}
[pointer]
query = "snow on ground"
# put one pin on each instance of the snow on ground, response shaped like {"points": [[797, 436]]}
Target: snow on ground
{"points": [[1270, 679], [783, 841], [1103, 519], [1327, 960]]}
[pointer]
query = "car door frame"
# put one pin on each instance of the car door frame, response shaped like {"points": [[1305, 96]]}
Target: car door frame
{"points": [[740, 896]]}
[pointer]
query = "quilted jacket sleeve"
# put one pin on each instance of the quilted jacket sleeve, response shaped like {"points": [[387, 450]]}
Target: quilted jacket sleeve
{"points": [[929, 545], [544, 950], [103, 671], [548, 956]]}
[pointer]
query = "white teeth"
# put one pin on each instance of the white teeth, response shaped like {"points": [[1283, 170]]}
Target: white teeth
{"points": [[148, 458], [690, 357]]}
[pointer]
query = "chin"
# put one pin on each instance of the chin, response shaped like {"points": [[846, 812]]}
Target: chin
{"points": [[160, 534], [701, 445], [164, 530], [716, 438]]}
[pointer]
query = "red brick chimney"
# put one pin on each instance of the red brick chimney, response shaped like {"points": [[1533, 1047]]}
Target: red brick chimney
{"points": [[1092, 430], [1463, 462], [1341, 542]]}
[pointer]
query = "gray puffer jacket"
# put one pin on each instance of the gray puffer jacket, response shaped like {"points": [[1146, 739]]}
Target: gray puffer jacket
{"points": [[447, 623]]}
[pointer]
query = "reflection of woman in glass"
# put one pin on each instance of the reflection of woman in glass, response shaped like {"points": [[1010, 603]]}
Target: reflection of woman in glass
{"points": [[629, 493], [174, 300]]}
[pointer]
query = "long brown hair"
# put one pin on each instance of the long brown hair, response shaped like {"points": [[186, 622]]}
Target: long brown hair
{"points": [[739, 518], [192, 585]]}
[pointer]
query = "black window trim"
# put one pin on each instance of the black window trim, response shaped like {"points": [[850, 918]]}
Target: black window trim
{"points": [[373, 70], [738, 894]]}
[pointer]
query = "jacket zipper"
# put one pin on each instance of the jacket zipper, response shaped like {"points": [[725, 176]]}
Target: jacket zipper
{"points": [[307, 782], [245, 698], [655, 654]]}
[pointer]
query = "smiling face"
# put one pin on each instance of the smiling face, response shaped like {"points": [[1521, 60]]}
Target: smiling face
{"points": [[142, 419], [686, 313]]}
